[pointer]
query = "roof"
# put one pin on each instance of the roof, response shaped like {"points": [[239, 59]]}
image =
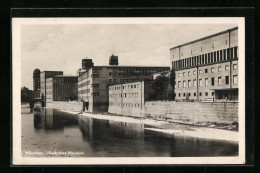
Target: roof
{"points": [[204, 38], [125, 66], [121, 66], [121, 83], [65, 76], [52, 71], [225, 89], [168, 71]]}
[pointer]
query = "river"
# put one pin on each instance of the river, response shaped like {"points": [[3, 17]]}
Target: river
{"points": [[51, 133]]}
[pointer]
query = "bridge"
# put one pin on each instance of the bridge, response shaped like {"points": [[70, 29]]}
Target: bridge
{"points": [[35, 100]]}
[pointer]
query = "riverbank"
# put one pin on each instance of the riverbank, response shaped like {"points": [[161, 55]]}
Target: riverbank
{"points": [[171, 128]]}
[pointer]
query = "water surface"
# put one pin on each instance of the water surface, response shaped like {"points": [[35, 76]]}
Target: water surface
{"points": [[52, 133]]}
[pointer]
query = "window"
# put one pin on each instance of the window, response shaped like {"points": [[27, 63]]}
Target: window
{"points": [[114, 80], [194, 94], [206, 81], [219, 80], [189, 73], [212, 94], [179, 94], [110, 73], [235, 52], [225, 54], [219, 68], [206, 70], [200, 93], [235, 79], [227, 67], [179, 84], [200, 82], [179, 74], [194, 82], [95, 94], [212, 70], [184, 84], [96, 85], [212, 81], [95, 75], [206, 93], [183, 73], [110, 80], [189, 83], [227, 80], [184, 94], [234, 66]]}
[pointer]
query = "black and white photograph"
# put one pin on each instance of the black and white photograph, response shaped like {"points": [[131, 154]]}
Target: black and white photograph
{"points": [[104, 91]]}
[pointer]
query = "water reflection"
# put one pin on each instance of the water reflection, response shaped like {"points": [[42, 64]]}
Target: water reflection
{"points": [[96, 129], [109, 138], [52, 119]]}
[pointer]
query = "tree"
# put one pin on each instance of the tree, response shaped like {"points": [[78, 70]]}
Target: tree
{"points": [[160, 85], [172, 81]]}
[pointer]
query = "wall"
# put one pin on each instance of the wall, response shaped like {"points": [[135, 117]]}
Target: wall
{"points": [[69, 106], [185, 112], [193, 112]]}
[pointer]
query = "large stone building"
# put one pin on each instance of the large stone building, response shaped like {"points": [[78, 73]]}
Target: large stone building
{"points": [[93, 84], [43, 77], [207, 68], [61, 88], [129, 98]]}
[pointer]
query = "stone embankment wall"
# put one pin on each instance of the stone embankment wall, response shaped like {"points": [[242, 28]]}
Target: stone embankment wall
{"points": [[186, 112], [69, 106], [193, 112]]}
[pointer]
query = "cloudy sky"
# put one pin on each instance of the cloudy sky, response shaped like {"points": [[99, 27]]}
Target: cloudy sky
{"points": [[61, 47]]}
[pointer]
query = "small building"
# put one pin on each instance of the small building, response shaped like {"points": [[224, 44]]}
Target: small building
{"points": [[207, 68], [61, 88], [129, 98]]}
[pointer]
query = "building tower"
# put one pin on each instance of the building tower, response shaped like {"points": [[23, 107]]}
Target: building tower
{"points": [[36, 80], [87, 63], [113, 60]]}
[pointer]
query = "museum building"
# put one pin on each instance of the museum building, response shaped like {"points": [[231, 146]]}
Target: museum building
{"points": [[207, 68]]}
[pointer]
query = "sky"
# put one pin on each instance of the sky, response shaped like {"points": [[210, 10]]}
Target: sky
{"points": [[62, 47]]}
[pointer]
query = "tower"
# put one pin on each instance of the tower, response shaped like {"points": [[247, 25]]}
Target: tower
{"points": [[87, 63], [113, 60], [36, 80]]}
